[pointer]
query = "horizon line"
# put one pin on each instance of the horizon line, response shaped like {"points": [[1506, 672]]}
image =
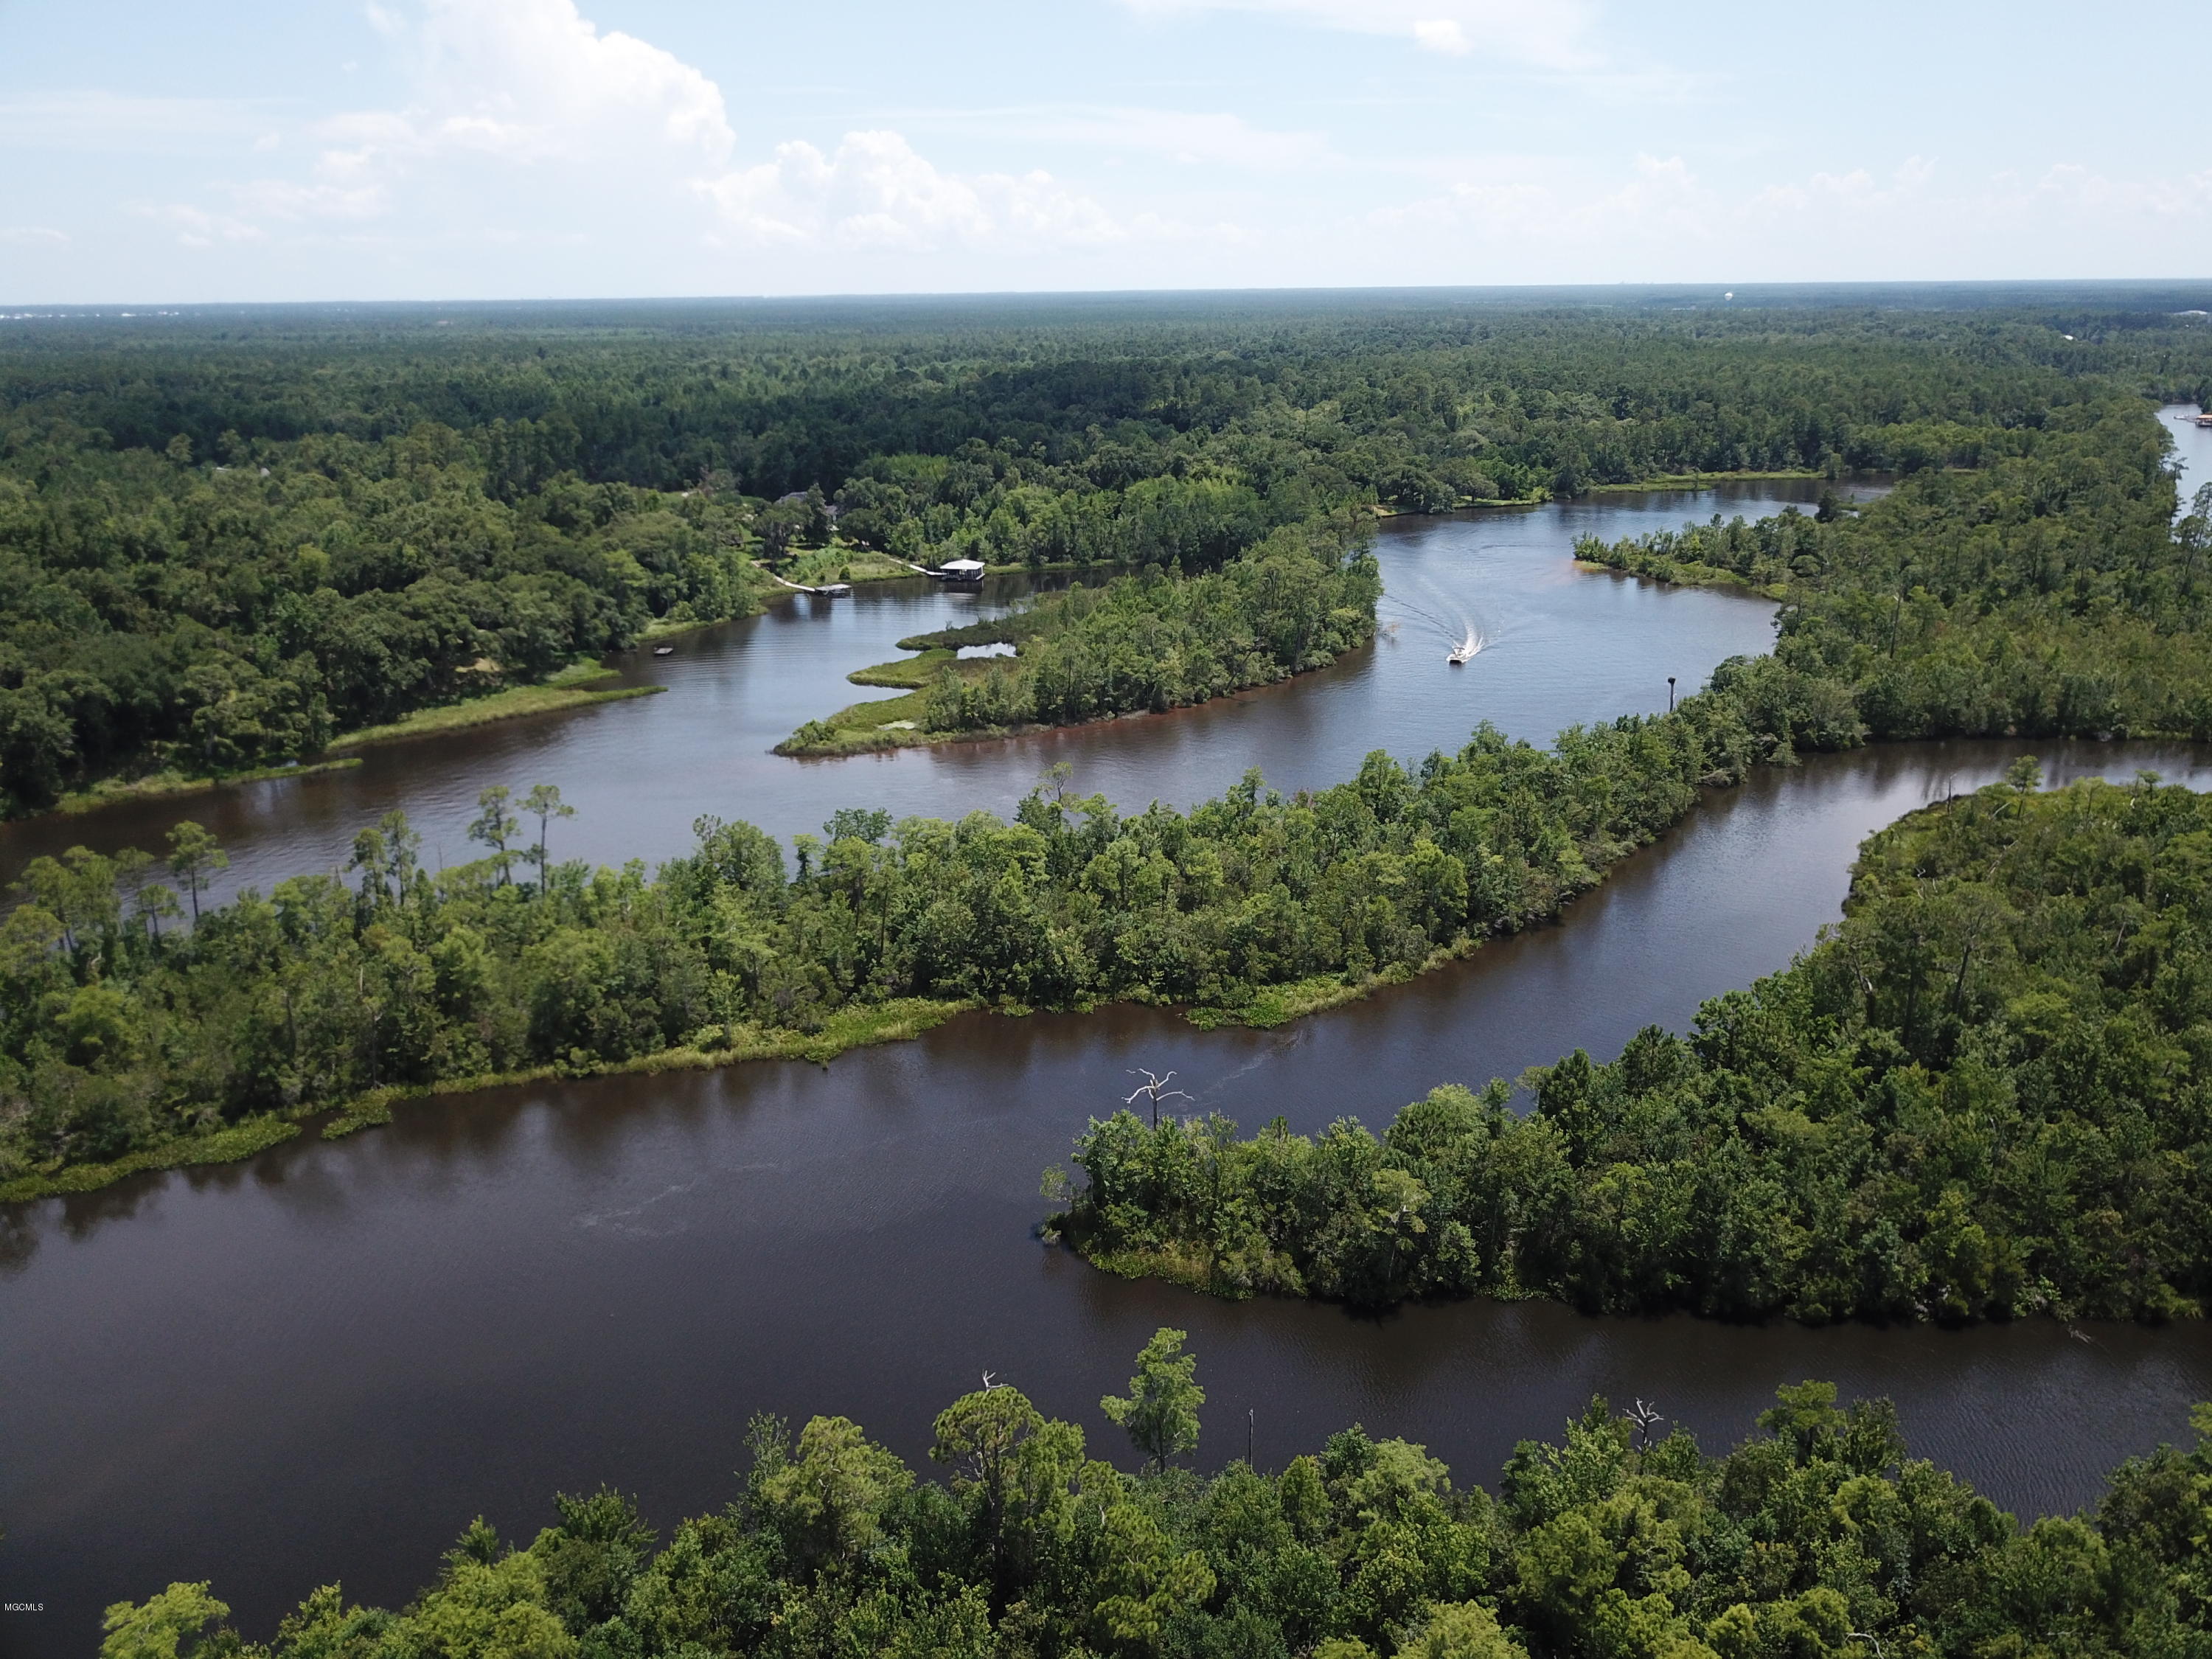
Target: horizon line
{"points": [[1718, 290]]}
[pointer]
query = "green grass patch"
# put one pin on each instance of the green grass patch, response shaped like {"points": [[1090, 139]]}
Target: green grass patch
{"points": [[661, 627], [892, 722], [224, 1145], [1675, 573], [908, 673], [898, 1021], [1385, 510], [570, 688], [841, 561], [371, 1111], [108, 791], [1699, 480], [1278, 1004]]}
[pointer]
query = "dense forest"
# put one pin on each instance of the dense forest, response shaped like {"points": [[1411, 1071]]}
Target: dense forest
{"points": [[158, 607], [2049, 590], [1984, 1094], [1819, 1536], [225, 537], [119, 1035]]}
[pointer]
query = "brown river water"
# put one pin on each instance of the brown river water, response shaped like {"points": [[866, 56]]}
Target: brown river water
{"points": [[322, 1362]]}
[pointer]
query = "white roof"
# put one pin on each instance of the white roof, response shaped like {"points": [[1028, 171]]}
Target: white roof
{"points": [[961, 564]]}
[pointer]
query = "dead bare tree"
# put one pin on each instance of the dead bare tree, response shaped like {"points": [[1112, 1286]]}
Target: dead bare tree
{"points": [[1643, 1416], [1156, 1089]]}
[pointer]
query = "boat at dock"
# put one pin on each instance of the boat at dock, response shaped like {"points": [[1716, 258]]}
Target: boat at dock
{"points": [[663, 650]]}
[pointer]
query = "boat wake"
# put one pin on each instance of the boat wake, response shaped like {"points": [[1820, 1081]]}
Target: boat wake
{"points": [[1463, 640]]}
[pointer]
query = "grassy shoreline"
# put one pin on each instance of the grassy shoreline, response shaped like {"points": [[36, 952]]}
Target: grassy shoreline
{"points": [[577, 686], [869, 727], [111, 792], [857, 739], [842, 562], [572, 688], [231, 1144], [1385, 510], [898, 1021], [1702, 480], [1676, 574]]}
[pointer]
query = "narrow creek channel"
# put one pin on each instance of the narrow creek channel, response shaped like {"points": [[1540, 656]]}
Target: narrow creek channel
{"points": [[323, 1363]]}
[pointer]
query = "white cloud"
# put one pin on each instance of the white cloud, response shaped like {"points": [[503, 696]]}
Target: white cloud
{"points": [[1442, 35], [499, 83], [1189, 137], [534, 80], [875, 193], [1536, 218], [279, 198], [197, 227], [2079, 189], [32, 236], [525, 122], [531, 80], [1856, 191], [1550, 32], [108, 121], [1527, 201]]}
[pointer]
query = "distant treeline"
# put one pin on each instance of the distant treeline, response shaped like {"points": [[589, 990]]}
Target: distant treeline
{"points": [[1363, 389], [1984, 1094], [1819, 1538], [221, 541]]}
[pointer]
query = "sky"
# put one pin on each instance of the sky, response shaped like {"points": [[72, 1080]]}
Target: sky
{"points": [[450, 149]]}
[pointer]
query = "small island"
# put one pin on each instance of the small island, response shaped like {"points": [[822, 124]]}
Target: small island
{"points": [[1138, 643]]}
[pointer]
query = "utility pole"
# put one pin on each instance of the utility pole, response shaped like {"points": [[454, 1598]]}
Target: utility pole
{"points": [[1670, 694], [1249, 1414]]}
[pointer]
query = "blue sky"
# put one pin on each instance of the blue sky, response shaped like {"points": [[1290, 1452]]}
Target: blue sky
{"points": [[491, 148]]}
